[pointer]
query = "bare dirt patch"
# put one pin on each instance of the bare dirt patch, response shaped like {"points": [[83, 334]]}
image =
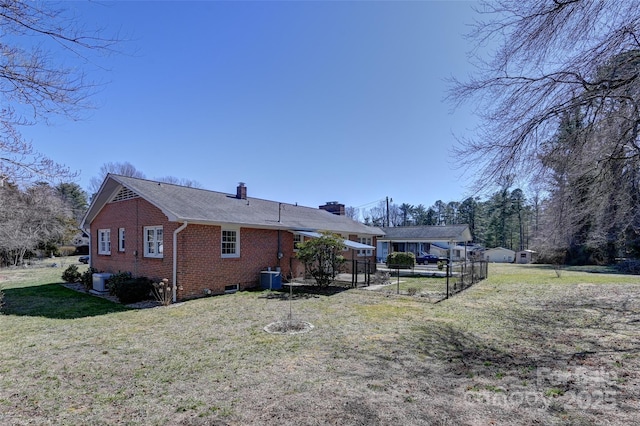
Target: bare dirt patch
{"points": [[288, 327]]}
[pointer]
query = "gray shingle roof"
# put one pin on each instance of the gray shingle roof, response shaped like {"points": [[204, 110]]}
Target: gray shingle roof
{"points": [[193, 205]]}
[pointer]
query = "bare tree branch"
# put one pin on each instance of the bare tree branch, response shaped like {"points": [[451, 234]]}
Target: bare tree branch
{"points": [[37, 82]]}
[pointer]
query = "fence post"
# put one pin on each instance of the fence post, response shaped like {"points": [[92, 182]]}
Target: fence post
{"points": [[368, 272], [354, 273], [447, 273]]}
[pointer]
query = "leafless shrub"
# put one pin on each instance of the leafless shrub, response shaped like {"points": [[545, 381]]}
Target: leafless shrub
{"points": [[163, 292], [381, 277]]}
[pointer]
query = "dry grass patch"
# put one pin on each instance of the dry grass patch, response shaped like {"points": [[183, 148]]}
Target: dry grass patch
{"points": [[522, 347], [431, 288]]}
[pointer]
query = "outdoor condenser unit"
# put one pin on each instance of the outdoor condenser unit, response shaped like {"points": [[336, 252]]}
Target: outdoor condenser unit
{"points": [[100, 282]]}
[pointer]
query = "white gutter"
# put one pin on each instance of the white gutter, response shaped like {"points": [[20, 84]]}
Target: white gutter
{"points": [[175, 259]]}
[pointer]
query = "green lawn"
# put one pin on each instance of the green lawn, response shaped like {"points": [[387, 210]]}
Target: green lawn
{"points": [[523, 347]]}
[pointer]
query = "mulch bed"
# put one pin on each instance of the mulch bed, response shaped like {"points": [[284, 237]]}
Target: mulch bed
{"points": [[145, 304]]}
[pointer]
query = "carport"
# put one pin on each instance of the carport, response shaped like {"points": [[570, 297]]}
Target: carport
{"points": [[418, 239]]}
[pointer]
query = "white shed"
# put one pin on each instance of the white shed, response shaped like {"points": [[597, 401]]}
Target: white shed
{"points": [[525, 256], [499, 255]]}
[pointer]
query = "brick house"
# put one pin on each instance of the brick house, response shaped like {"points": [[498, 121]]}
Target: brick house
{"points": [[207, 241]]}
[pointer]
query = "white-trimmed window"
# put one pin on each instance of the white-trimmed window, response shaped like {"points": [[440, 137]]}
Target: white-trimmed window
{"points": [[120, 239], [297, 239], [104, 241], [230, 243], [368, 241], [153, 246]]}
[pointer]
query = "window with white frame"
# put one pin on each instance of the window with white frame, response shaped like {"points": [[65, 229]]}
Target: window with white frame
{"points": [[297, 240], [367, 241], [230, 243], [153, 245], [104, 241], [121, 239]]}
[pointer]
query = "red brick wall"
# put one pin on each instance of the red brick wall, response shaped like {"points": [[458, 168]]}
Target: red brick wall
{"points": [[132, 215], [200, 264]]}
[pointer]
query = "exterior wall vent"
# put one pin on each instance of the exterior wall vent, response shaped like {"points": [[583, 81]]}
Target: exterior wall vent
{"points": [[124, 194]]}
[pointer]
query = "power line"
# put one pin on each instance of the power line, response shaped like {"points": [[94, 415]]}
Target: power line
{"points": [[371, 203]]}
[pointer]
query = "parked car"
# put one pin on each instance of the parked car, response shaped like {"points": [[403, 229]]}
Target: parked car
{"points": [[84, 259], [426, 258]]}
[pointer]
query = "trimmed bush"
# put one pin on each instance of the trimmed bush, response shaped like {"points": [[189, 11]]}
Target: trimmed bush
{"points": [[71, 274], [631, 266], [322, 257], [116, 279], [87, 278], [134, 290], [403, 260]]}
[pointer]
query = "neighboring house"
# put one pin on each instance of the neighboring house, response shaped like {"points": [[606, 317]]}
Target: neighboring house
{"points": [[525, 256], [80, 239], [455, 252], [204, 241], [423, 239], [499, 255]]}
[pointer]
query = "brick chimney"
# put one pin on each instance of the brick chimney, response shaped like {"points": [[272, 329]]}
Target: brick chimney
{"points": [[241, 191], [333, 207]]}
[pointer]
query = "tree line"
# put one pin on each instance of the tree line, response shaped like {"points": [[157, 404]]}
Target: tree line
{"points": [[507, 218]]}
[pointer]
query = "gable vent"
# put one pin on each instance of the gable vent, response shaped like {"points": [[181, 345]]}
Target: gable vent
{"points": [[124, 194]]}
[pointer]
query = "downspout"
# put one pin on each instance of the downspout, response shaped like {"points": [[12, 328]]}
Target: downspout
{"points": [[175, 259], [89, 234], [280, 255]]}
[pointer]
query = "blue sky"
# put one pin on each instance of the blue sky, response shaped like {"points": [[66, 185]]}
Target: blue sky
{"points": [[305, 102]]}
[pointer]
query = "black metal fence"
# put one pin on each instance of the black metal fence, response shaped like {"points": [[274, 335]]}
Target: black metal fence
{"points": [[451, 277], [462, 275], [360, 271]]}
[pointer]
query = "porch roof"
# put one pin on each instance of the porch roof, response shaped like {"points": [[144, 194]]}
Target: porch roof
{"points": [[348, 243]]}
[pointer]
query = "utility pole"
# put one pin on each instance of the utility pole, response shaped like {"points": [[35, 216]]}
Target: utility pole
{"points": [[388, 199]]}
